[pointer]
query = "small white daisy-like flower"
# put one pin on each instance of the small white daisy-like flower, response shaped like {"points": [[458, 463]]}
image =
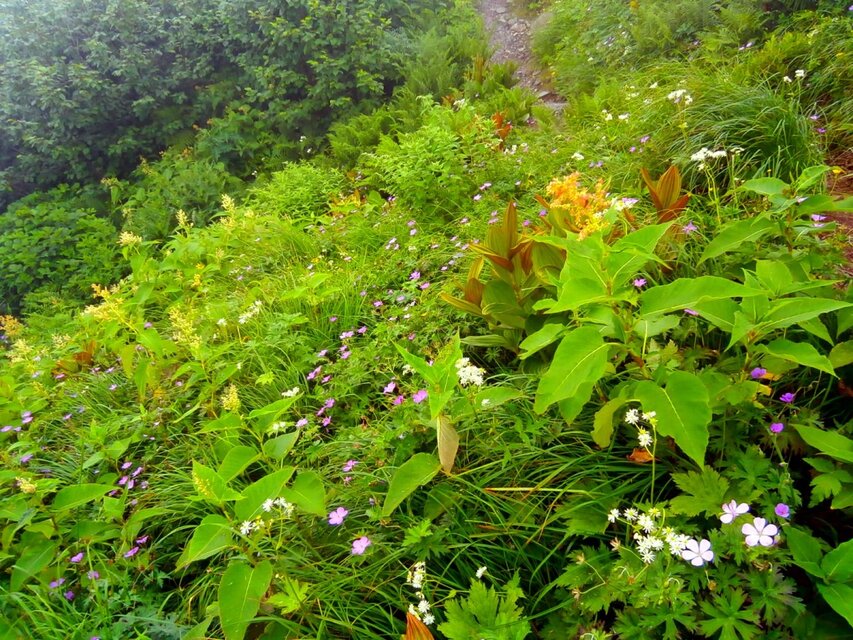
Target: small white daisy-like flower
{"points": [[648, 556], [247, 527], [646, 523], [697, 553], [423, 606], [290, 393], [800, 74], [614, 513], [648, 417], [630, 514], [268, 504], [481, 572], [644, 438], [577, 155], [632, 416], [428, 619]]}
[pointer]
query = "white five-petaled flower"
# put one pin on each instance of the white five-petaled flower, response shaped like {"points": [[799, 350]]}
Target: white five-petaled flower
{"points": [[614, 513], [697, 553], [632, 416], [759, 532], [268, 505], [247, 527], [732, 510], [481, 572]]}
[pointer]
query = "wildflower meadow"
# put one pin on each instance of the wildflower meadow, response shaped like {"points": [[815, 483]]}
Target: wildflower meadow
{"points": [[315, 324]]}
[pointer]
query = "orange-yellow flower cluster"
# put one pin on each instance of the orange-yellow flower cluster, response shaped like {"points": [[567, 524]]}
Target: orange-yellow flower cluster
{"points": [[576, 209]]}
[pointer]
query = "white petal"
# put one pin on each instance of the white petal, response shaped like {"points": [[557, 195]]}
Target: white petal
{"points": [[727, 518], [759, 524], [708, 556], [697, 561], [770, 530], [752, 540], [704, 546], [749, 530], [742, 508], [693, 546], [766, 541]]}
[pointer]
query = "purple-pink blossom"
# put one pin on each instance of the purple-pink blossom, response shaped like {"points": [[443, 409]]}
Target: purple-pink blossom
{"points": [[419, 396], [359, 546], [337, 516], [788, 397], [782, 510], [777, 427], [349, 465]]}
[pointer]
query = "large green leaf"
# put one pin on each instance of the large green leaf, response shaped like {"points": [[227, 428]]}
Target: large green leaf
{"points": [[686, 293], [806, 550], [766, 186], [801, 353], [580, 359], [838, 563], [78, 494], [683, 411], [35, 557], [209, 538], [211, 486], [278, 447], [575, 293], [267, 488], [829, 442], [733, 236], [236, 461], [790, 311], [416, 471], [840, 598], [308, 493], [602, 426], [841, 354], [240, 593]]}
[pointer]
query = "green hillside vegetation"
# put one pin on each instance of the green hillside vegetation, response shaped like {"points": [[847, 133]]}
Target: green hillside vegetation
{"points": [[315, 326]]}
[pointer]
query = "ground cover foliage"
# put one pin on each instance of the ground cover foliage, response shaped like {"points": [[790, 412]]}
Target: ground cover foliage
{"points": [[459, 368]]}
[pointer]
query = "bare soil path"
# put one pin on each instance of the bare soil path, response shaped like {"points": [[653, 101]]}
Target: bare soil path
{"points": [[510, 35]]}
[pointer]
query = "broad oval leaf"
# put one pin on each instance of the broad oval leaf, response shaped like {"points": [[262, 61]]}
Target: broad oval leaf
{"points": [[801, 353], [831, 443], [209, 538], [240, 593], [682, 409], [79, 494], [416, 471], [688, 292], [580, 360], [308, 493], [268, 487]]}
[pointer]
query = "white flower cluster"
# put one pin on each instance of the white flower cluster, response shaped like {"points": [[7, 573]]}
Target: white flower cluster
{"points": [[704, 154], [259, 524], [290, 393], [251, 312], [468, 373], [799, 74], [633, 417], [415, 578], [649, 536], [680, 96]]}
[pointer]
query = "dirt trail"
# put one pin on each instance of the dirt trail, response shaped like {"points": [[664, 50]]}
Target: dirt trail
{"points": [[510, 36]]}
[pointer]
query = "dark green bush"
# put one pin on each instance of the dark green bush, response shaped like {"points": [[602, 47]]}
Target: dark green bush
{"points": [[149, 201], [300, 191], [51, 243]]}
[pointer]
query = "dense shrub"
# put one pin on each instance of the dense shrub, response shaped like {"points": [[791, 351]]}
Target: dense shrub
{"points": [[300, 192], [150, 200], [51, 242], [150, 70]]}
